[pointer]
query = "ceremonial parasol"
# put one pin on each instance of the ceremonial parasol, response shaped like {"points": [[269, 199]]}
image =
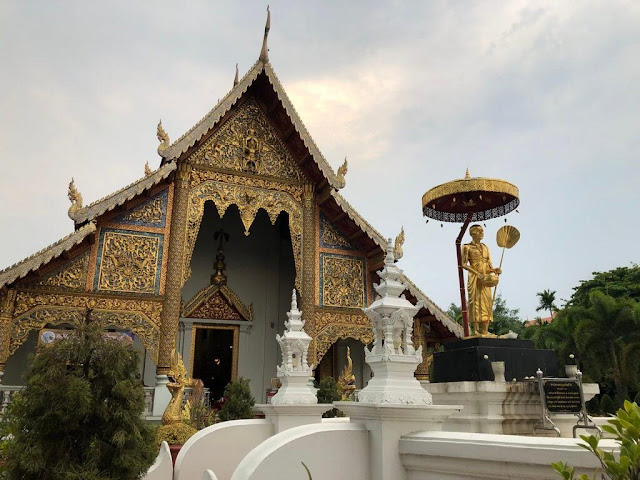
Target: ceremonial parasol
{"points": [[465, 200]]}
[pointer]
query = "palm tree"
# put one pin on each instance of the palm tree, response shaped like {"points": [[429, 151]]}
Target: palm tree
{"points": [[547, 299], [608, 334]]}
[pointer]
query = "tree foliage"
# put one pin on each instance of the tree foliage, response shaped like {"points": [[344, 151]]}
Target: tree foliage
{"points": [[621, 282], [80, 414], [547, 301]]}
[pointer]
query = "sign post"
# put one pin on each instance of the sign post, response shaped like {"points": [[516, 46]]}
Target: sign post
{"points": [[563, 395]]}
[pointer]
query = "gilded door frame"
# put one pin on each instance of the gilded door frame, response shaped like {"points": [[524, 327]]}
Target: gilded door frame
{"points": [[236, 343]]}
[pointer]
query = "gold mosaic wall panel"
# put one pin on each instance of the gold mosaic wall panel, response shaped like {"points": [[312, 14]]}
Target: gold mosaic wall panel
{"points": [[342, 280], [129, 262]]}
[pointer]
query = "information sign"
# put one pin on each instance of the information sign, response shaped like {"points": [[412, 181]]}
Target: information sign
{"points": [[563, 397]]}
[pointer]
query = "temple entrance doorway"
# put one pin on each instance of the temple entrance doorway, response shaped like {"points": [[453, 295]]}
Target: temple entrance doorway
{"points": [[215, 359]]}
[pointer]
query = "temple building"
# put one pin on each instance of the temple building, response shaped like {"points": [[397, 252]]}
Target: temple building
{"points": [[202, 254]]}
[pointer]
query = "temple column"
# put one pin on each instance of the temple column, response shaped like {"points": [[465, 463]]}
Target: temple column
{"points": [[170, 316], [308, 264], [6, 316]]}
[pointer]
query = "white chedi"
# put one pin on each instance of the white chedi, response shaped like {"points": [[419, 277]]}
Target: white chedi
{"points": [[294, 372], [393, 357]]}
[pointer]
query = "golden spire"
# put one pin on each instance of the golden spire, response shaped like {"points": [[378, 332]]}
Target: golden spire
{"points": [[342, 171], [147, 169], [75, 198], [163, 138], [466, 175], [264, 53], [235, 79], [219, 278]]}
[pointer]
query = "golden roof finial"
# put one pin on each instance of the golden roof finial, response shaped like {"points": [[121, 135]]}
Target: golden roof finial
{"points": [[75, 198], [235, 79], [163, 138], [147, 169], [342, 172], [264, 53], [397, 247], [466, 175]]}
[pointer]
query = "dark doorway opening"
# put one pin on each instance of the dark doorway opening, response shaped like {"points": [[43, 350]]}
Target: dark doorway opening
{"points": [[214, 358]]}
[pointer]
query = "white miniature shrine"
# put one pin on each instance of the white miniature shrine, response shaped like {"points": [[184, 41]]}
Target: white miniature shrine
{"points": [[294, 373]]}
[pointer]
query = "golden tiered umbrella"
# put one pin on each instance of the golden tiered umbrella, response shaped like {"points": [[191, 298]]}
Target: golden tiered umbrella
{"points": [[466, 200]]}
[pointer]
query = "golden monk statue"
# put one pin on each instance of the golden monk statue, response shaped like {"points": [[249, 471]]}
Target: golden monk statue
{"points": [[482, 278]]}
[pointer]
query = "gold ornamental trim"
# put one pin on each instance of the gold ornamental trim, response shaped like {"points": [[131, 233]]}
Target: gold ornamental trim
{"points": [[468, 185], [193, 308]]}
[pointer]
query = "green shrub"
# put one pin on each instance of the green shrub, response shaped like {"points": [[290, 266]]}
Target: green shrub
{"points": [[593, 406], [625, 428], [328, 393], [79, 416], [606, 405], [239, 401]]}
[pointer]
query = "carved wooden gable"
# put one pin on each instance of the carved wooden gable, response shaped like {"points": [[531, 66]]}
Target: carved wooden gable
{"points": [[217, 303], [70, 276], [247, 142]]}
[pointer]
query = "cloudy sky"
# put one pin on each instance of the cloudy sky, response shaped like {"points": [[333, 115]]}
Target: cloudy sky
{"points": [[544, 94]]}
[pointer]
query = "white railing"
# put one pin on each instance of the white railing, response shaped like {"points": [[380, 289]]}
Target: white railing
{"points": [[6, 396], [149, 398]]}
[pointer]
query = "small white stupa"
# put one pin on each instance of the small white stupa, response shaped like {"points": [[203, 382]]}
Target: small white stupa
{"points": [[393, 357], [294, 372]]}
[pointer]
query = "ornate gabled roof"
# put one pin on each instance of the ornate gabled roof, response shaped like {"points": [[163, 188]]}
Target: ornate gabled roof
{"points": [[366, 227], [29, 264], [110, 202], [207, 301], [198, 131], [437, 312]]}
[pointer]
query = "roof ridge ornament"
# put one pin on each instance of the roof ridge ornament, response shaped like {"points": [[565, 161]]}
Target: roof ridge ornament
{"points": [[397, 247], [466, 175], [264, 53], [75, 197], [147, 169], [342, 172], [235, 79], [163, 138]]}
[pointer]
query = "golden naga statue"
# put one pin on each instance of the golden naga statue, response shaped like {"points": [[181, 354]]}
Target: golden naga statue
{"points": [[163, 137], [476, 260], [342, 172], [397, 247], [75, 198], [347, 380], [180, 379]]}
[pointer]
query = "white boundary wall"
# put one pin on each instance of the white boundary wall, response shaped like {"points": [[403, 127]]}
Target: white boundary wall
{"points": [[329, 450], [457, 455], [220, 448], [162, 468]]}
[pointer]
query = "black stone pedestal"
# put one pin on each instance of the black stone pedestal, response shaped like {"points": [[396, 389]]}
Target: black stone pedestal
{"points": [[464, 360]]}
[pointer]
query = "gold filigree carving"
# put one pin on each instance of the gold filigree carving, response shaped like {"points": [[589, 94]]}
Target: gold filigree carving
{"points": [[248, 143], [72, 276], [217, 302], [34, 310], [421, 329], [342, 281], [150, 212], [129, 262], [331, 237], [201, 176], [336, 331], [248, 200]]}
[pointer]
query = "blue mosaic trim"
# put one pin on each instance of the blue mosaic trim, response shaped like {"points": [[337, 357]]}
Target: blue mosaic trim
{"points": [[164, 196], [160, 236], [321, 276]]}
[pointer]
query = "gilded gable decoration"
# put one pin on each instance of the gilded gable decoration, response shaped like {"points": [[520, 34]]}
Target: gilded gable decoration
{"points": [[330, 237], [129, 262], [248, 200], [342, 281], [71, 276], [249, 143], [332, 325], [150, 213], [217, 302], [34, 310]]}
